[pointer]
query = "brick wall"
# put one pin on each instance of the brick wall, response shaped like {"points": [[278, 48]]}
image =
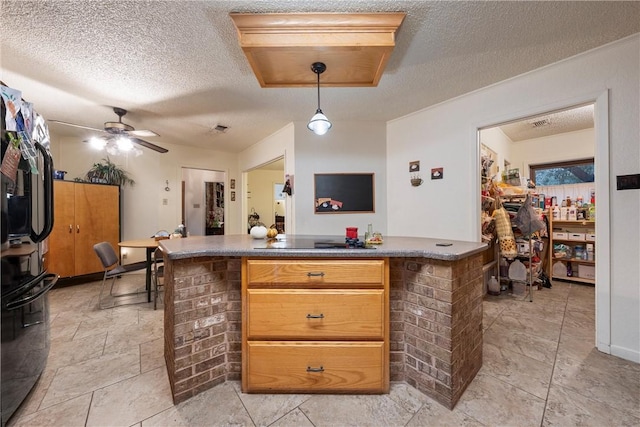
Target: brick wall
{"points": [[202, 323], [442, 304]]}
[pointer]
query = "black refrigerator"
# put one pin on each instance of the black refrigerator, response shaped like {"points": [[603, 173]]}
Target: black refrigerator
{"points": [[26, 200]]}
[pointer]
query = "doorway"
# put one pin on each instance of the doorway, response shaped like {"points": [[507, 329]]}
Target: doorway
{"points": [[599, 149], [265, 194], [203, 201]]}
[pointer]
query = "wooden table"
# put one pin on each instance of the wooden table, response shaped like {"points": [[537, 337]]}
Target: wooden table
{"points": [[150, 244]]}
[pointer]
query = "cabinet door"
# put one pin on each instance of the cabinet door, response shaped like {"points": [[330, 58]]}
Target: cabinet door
{"points": [[61, 239], [97, 210]]}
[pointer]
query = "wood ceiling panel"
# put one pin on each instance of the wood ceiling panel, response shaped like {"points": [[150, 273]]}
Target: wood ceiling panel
{"points": [[281, 47]]}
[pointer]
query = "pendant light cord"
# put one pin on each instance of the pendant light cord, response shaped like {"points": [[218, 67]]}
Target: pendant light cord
{"points": [[318, 74]]}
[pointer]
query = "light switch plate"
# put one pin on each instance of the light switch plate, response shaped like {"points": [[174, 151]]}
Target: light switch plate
{"points": [[628, 182]]}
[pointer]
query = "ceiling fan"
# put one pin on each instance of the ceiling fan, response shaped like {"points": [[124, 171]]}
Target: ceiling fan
{"points": [[116, 129]]}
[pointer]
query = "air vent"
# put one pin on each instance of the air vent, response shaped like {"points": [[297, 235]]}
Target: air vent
{"points": [[540, 123]]}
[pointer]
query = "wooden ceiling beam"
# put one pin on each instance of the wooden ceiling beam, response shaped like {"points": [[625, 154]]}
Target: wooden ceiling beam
{"points": [[281, 47]]}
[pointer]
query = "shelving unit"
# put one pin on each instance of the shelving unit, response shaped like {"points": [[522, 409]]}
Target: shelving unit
{"points": [[569, 233], [525, 255]]}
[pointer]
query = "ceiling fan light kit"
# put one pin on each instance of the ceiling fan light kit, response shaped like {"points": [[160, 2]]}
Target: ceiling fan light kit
{"points": [[121, 136]]}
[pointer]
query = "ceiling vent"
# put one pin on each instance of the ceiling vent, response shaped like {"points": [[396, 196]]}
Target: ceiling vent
{"points": [[540, 123]]}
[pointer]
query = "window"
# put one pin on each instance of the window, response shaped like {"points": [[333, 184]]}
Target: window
{"points": [[559, 173]]}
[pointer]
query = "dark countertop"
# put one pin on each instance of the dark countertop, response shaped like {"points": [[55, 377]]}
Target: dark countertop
{"points": [[245, 245]]}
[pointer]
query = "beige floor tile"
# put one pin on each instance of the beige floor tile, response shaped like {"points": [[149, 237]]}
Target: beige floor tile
{"points": [[575, 347], [491, 309], [295, 418], [219, 406], [550, 311], [434, 414], [524, 343], [115, 321], [64, 353], [123, 338], [524, 372], [131, 400], [603, 378], [568, 408], [530, 325], [75, 380], [355, 410], [152, 355], [408, 397], [579, 324], [493, 402], [264, 409], [428, 412], [70, 413]]}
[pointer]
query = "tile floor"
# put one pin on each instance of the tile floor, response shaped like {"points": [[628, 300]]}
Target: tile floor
{"points": [[106, 368]]}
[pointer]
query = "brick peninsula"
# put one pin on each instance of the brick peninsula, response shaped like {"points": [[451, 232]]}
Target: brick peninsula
{"points": [[308, 315]]}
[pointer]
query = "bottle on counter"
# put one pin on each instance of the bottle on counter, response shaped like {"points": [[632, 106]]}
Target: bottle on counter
{"points": [[369, 233], [555, 213], [493, 287]]}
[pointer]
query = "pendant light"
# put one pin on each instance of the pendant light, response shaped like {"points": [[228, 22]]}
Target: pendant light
{"points": [[319, 124]]}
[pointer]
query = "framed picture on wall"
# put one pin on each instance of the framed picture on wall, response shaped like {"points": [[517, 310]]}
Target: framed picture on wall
{"points": [[344, 193]]}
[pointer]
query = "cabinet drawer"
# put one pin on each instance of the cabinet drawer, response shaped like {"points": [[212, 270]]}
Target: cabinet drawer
{"points": [[308, 367], [315, 272], [315, 314]]}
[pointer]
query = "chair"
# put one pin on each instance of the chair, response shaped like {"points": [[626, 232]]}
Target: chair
{"points": [[157, 275], [112, 270]]}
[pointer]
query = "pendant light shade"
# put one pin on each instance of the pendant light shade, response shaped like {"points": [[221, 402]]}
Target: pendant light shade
{"points": [[319, 124]]}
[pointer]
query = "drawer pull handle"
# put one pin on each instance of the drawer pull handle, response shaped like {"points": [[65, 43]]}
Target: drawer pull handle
{"points": [[315, 274], [310, 369], [315, 316]]}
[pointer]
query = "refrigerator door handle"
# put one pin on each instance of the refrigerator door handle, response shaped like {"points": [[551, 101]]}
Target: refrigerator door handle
{"points": [[52, 278], [48, 196]]}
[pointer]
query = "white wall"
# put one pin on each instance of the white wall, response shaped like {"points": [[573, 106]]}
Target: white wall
{"points": [[356, 147], [280, 144], [143, 209], [555, 148], [445, 135]]}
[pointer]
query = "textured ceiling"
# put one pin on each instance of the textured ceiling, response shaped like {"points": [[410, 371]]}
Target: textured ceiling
{"points": [[570, 120], [179, 70]]}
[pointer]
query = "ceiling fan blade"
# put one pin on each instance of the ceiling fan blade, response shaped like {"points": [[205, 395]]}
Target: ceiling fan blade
{"points": [[149, 145], [142, 132], [75, 125]]}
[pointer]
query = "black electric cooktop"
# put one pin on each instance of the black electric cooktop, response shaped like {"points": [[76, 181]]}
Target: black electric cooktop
{"points": [[315, 243]]}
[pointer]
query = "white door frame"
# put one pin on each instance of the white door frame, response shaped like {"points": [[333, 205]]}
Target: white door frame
{"points": [[603, 228]]}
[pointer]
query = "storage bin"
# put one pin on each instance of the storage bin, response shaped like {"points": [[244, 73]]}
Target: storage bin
{"points": [[578, 237], [587, 271], [559, 269], [590, 237], [560, 235]]}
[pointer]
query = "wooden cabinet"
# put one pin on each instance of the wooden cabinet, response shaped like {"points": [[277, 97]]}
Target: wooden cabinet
{"points": [[572, 250], [315, 325], [84, 214]]}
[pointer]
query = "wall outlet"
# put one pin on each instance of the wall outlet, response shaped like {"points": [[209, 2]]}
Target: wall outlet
{"points": [[165, 202], [124, 256]]}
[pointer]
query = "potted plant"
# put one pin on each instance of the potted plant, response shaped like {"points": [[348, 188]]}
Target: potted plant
{"points": [[108, 172]]}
